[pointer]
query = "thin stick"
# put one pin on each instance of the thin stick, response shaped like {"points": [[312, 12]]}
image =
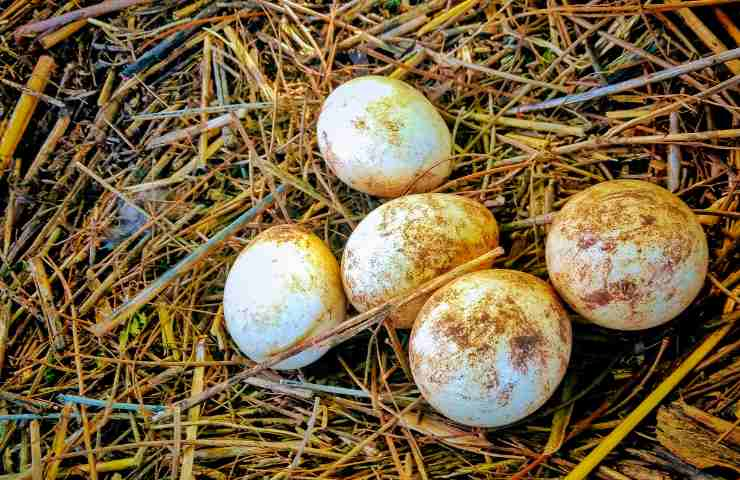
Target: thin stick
{"points": [[608, 443], [48, 147], [24, 110], [727, 22], [56, 339], [674, 156], [4, 326], [674, 107], [37, 470], [89, 12], [632, 83], [190, 132], [198, 111], [306, 437], [556, 128], [191, 432], [358, 448], [92, 402], [62, 34], [649, 140], [183, 266], [205, 98], [58, 444], [495, 73], [164, 48]]}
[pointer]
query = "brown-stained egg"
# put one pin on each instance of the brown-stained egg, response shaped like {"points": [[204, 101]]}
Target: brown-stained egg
{"points": [[491, 347], [409, 241], [627, 254], [382, 136]]}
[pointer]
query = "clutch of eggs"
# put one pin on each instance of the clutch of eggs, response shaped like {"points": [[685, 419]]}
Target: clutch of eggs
{"points": [[284, 287]]}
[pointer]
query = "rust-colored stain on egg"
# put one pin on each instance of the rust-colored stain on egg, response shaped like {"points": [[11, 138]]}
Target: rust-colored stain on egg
{"points": [[490, 347], [627, 254], [408, 241]]}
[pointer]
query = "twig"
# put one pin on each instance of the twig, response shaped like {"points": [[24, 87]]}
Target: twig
{"points": [[191, 432], [46, 98], [687, 137], [51, 315], [451, 61], [197, 111], [306, 437], [60, 127], [675, 106], [674, 157], [24, 110], [164, 48], [37, 470], [666, 74], [4, 326], [89, 12], [192, 132], [326, 388], [91, 402], [53, 38]]}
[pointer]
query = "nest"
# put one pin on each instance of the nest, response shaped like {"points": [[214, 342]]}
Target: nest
{"points": [[142, 144]]}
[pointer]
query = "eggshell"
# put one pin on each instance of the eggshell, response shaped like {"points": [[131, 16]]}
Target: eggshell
{"points": [[491, 347], [284, 287], [408, 241], [627, 254], [383, 137]]}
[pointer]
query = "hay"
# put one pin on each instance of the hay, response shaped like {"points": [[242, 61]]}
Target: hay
{"points": [[142, 144]]}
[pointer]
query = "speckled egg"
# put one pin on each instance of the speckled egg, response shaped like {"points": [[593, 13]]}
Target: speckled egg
{"points": [[409, 241], [284, 287], [627, 254], [491, 347], [383, 137]]}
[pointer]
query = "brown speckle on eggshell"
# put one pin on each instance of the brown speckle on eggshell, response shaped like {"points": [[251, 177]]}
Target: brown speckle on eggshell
{"points": [[490, 347], [408, 241], [627, 254]]}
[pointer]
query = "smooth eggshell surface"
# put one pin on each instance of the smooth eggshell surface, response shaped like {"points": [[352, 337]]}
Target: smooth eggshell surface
{"points": [[491, 347], [411, 240], [284, 287], [627, 254], [383, 137]]}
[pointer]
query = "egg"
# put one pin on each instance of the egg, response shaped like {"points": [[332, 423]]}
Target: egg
{"points": [[284, 287], [411, 240], [491, 347], [627, 254], [383, 137]]}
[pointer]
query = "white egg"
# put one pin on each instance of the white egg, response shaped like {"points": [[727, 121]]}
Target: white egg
{"points": [[284, 287], [627, 254], [491, 347], [383, 137], [409, 241]]}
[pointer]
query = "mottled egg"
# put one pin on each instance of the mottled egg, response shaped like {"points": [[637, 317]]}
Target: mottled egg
{"points": [[411, 240], [383, 137], [491, 347], [284, 287], [627, 254]]}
